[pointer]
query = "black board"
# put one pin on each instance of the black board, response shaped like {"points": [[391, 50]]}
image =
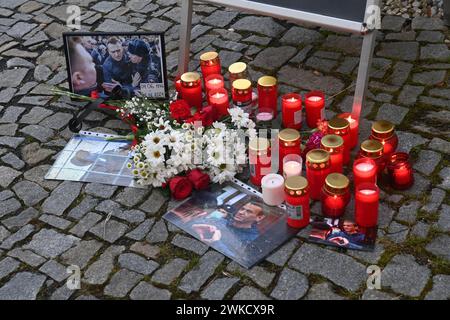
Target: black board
{"points": [[352, 10]]}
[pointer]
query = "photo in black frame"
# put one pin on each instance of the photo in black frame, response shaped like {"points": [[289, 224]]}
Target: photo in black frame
{"points": [[117, 65]]}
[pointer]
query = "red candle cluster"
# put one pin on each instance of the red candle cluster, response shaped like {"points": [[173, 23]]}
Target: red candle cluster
{"points": [[297, 201], [291, 109]]}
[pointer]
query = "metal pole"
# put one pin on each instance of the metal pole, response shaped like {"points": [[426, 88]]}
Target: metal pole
{"points": [[185, 36]]}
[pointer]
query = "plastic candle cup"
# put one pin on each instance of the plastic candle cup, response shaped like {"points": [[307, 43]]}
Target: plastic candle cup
{"points": [[341, 127], [400, 172], [288, 143], [373, 149], [367, 196], [314, 106], [237, 70], [210, 64], [268, 93], [364, 171], [292, 165], [191, 90], [264, 118], [291, 110], [218, 98], [273, 189], [335, 195], [317, 169], [354, 128], [214, 81], [335, 146], [297, 202], [259, 158], [383, 131]]}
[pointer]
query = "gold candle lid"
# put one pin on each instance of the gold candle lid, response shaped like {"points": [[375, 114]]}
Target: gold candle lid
{"points": [[332, 141], [259, 144], [237, 67], [337, 181], [289, 135], [242, 84], [208, 56], [296, 183], [318, 156], [267, 81], [371, 146], [383, 127], [190, 77], [338, 124]]}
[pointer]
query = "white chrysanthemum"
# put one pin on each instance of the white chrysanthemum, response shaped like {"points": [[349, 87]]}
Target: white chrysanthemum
{"points": [[155, 155]]}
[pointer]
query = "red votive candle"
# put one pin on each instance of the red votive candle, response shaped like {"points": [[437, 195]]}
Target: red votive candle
{"points": [[335, 195], [317, 169], [289, 142], [214, 81], [400, 172], [210, 64], [364, 171], [291, 110], [383, 131], [314, 106], [237, 70], [354, 128], [191, 89], [334, 144], [367, 196], [268, 93], [242, 93], [341, 127], [218, 98], [259, 158], [297, 201], [373, 149]]}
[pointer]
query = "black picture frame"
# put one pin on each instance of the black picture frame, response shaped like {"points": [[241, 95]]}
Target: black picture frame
{"points": [[66, 36]]}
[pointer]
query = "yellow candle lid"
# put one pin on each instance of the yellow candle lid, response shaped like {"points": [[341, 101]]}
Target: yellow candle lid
{"points": [[289, 135], [318, 156], [371, 146], [332, 141], [208, 56], [242, 84], [189, 77], [237, 67], [296, 183], [259, 144], [267, 81], [338, 124], [337, 181], [383, 126]]}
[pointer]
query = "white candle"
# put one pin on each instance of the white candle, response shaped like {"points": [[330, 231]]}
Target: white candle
{"points": [[292, 169], [273, 189]]}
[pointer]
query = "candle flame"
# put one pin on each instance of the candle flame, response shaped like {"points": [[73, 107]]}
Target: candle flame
{"points": [[293, 99], [367, 192], [218, 95], [315, 98], [214, 81]]}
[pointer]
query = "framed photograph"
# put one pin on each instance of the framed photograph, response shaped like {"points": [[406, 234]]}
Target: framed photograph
{"points": [[116, 65]]}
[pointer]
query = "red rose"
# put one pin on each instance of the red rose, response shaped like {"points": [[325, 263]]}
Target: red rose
{"points": [[180, 187], [180, 110], [199, 179], [208, 116]]}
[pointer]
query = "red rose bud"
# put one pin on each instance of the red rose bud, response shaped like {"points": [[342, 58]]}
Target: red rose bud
{"points": [[180, 110], [180, 187], [199, 179]]}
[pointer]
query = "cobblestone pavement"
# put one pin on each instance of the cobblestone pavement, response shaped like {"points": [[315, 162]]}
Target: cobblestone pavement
{"points": [[46, 226]]}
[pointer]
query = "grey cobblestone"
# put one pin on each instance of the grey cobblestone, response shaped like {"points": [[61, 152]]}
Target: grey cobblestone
{"points": [[169, 272]]}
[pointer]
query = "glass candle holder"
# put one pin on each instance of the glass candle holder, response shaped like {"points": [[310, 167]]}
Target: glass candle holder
{"points": [[191, 90], [291, 110], [334, 144], [214, 81], [178, 86], [259, 158], [242, 94], [292, 165], [218, 98], [354, 128], [264, 118], [364, 171], [400, 171], [268, 93], [367, 197], [272, 186], [297, 202], [237, 70], [317, 169], [373, 149], [210, 64], [289, 142], [315, 108], [335, 195], [341, 127], [383, 131]]}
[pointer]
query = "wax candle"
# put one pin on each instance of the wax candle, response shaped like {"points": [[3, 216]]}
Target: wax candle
{"points": [[291, 110], [237, 70], [383, 131], [218, 98], [242, 93], [367, 196], [373, 149], [354, 128], [273, 189], [334, 144], [264, 118], [259, 159], [400, 171], [288, 143], [297, 202], [210, 64], [314, 106], [268, 93], [214, 81], [364, 171], [317, 169], [341, 127], [335, 195], [292, 165], [191, 89]]}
